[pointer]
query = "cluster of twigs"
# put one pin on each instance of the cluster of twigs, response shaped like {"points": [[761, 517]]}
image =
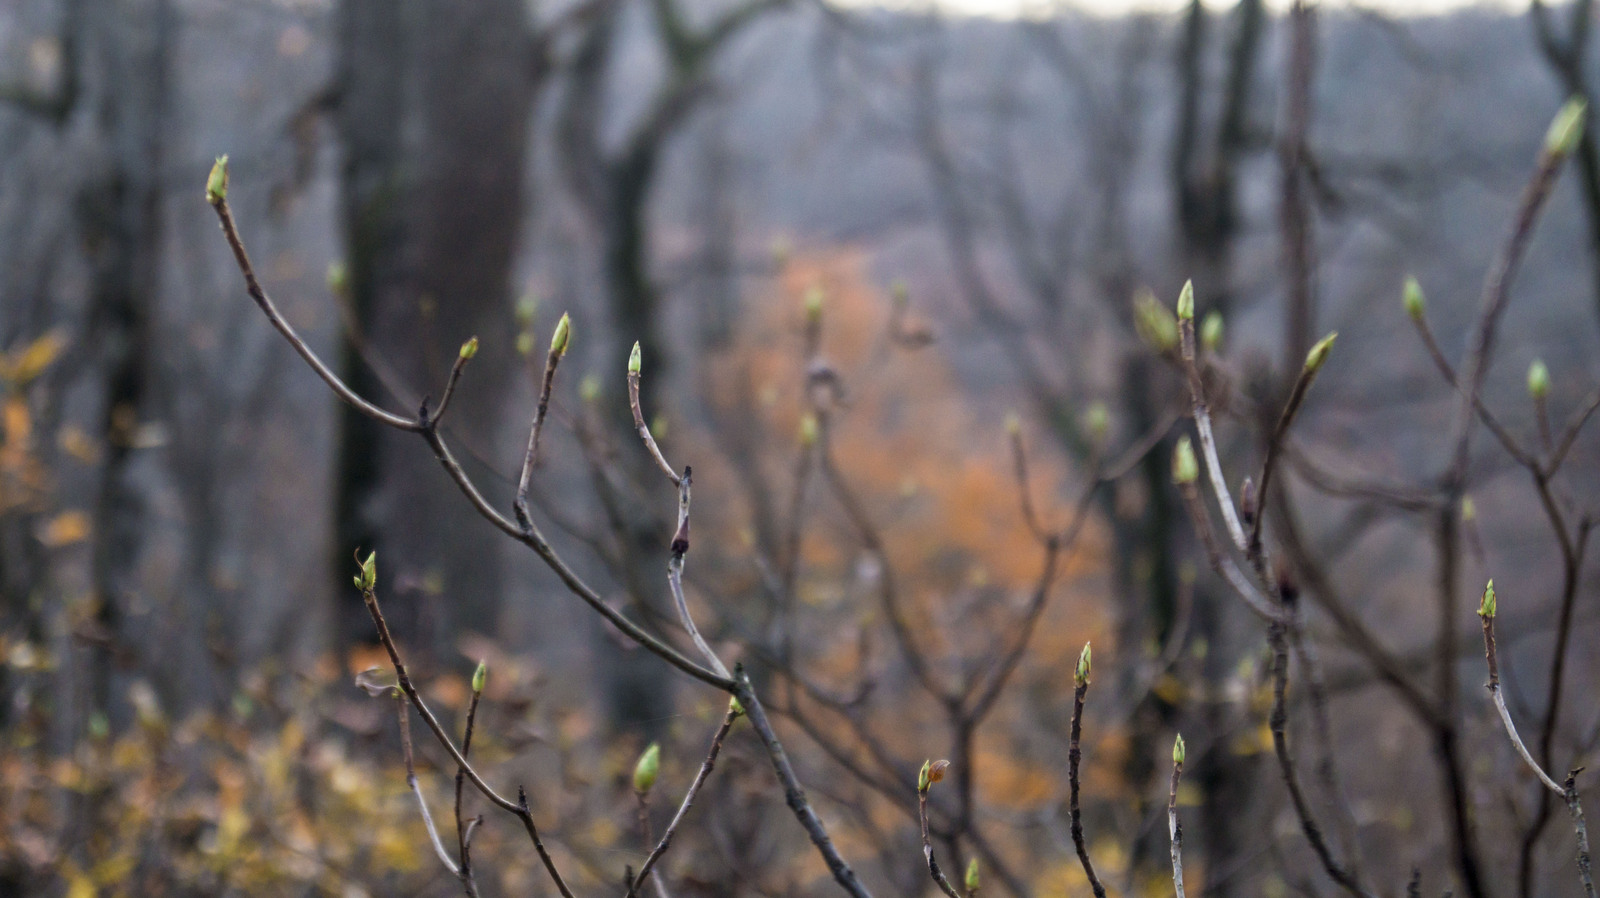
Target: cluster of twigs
{"points": [[1239, 555], [743, 701], [1272, 594]]}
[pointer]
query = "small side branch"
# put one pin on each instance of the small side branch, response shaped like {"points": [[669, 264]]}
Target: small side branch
{"points": [[416, 789], [794, 794], [1074, 758], [932, 772], [634, 365], [1202, 419], [1487, 610], [368, 584], [734, 712], [558, 349], [219, 202], [1174, 828]]}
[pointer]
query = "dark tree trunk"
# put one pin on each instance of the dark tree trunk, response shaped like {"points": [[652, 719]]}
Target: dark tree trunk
{"points": [[121, 218], [434, 103]]}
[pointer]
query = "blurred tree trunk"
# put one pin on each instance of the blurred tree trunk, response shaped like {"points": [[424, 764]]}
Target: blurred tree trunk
{"points": [[614, 183], [130, 46], [1205, 192], [433, 105]]}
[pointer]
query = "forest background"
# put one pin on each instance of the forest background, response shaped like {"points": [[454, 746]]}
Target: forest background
{"points": [[897, 278]]}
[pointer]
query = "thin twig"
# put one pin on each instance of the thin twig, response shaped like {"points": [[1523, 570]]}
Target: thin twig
{"points": [[1487, 614], [680, 547], [1269, 464], [253, 287], [464, 829], [794, 795], [1277, 638], [558, 349], [1074, 757], [520, 807], [1512, 447], [644, 429], [1208, 442], [1174, 828], [1569, 434], [1496, 296], [416, 789], [688, 800], [450, 384], [1585, 865], [927, 842], [1225, 567], [1568, 791], [529, 536]]}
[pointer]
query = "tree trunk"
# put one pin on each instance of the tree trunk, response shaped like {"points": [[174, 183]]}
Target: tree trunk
{"points": [[433, 110]]}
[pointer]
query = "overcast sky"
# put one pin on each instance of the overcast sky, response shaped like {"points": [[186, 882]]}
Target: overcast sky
{"points": [[1012, 8]]}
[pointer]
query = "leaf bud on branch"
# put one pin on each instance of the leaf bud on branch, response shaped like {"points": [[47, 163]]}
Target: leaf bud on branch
{"points": [[647, 770], [1566, 129], [1416, 304], [1185, 468], [217, 182], [1538, 380]]}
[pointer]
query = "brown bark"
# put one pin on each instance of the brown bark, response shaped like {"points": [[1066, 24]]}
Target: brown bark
{"points": [[433, 106]]}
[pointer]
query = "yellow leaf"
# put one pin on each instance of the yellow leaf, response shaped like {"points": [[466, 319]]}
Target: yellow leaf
{"points": [[17, 422], [79, 884], [65, 529], [24, 365]]}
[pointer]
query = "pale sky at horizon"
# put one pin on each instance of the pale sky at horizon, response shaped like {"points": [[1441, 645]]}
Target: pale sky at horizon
{"points": [[1008, 9]]}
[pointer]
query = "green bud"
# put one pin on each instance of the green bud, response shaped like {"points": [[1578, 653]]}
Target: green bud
{"points": [[1211, 330], [1411, 297], [1081, 676], [524, 344], [1097, 420], [368, 578], [338, 279], [1178, 752], [469, 348], [735, 707], [808, 429], [589, 389], [1487, 607], [563, 334], [1186, 302], [1469, 509], [1566, 129], [1319, 353], [932, 772], [217, 182], [1185, 469], [1154, 322], [1013, 424], [648, 768], [478, 676], [923, 780], [972, 877], [634, 359], [527, 308], [813, 303], [1538, 380]]}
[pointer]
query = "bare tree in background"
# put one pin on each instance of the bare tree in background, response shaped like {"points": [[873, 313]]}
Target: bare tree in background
{"points": [[613, 181], [433, 103]]}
